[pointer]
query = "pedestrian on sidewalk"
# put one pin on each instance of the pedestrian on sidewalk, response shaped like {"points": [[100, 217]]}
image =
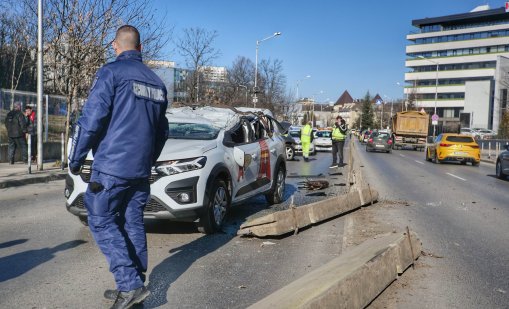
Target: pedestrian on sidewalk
{"points": [[31, 123], [124, 123], [338, 141], [15, 124], [306, 137]]}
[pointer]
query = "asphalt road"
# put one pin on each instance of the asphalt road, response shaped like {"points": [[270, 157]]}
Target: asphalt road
{"points": [[49, 260], [461, 213]]}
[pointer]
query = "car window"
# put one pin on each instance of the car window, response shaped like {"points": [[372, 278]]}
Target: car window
{"points": [[323, 134], [295, 134], [197, 131], [383, 135], [459, 139]]}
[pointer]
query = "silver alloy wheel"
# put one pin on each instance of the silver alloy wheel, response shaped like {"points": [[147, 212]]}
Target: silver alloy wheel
{"points": [[289, 153], [219, 205], [280, 185]]}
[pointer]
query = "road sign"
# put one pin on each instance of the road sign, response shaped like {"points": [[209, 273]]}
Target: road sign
{"points": [[434, 119], [255, 100]]}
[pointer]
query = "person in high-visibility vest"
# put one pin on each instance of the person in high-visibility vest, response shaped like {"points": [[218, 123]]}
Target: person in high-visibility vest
{"points": [[306, 137], [338, 141]]}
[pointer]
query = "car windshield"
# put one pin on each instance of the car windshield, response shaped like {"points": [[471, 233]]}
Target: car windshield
{"points": [[381, 135], [323, 134], [459, 139], [199, 131], [295, 134]]}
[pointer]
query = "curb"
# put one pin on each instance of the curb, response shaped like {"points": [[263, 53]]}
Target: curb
{"points": [[352, 280], [31, 180]]}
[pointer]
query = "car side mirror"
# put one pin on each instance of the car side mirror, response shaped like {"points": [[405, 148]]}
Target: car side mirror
{"points": [[241, 158]]}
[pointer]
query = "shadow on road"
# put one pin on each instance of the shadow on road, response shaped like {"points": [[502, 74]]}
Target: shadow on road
{"points": [[17, 264], [11, 243], [179, 261]]}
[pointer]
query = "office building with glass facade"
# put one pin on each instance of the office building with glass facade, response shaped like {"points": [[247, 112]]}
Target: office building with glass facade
{"points": [[461, 60]]}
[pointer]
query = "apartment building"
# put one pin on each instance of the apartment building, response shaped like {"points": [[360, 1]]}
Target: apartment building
{"points": [[458, 65]]}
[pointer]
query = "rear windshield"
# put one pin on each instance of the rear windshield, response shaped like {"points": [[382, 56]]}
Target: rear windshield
{"points": [[459, 139], [197, 131], [295, 133], [323, 134]]}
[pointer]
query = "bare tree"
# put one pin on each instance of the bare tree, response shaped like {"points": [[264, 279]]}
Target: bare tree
{"points": [[240, 81], [78, 35], [196, 45], [272, 82]]}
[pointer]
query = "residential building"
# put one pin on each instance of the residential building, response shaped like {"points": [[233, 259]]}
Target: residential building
{"points": [[463, 60]]}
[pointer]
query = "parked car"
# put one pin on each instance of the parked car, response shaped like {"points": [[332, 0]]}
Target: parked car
{"points": [[365, 135], [214, 157], [290, 142], [502, 165], [323, 140], [295, 134], [485, 133], [471, 132], [454, 147], [379, 141]]}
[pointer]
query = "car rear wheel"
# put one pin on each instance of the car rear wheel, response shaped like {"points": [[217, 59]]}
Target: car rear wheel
{"points": [[277, 192], [475, 163], [218, 203], [290, 153], [435, 159], [498, 170]]}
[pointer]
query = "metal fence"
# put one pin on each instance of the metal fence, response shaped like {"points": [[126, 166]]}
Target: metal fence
{"points": [[53, 118]]}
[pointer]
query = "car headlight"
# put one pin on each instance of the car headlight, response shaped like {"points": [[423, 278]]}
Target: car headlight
{"points": [[167, 168]]}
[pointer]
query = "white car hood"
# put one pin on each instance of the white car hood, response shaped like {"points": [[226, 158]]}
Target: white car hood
{"points": [[175, 149]]}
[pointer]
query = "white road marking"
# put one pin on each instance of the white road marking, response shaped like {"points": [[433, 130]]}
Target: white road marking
{"points": [[456, 176], [402, 155], [419, 162]]}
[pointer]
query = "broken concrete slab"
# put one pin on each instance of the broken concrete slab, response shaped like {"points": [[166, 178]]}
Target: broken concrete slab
{"points": [[292, 219], [351, 280]]}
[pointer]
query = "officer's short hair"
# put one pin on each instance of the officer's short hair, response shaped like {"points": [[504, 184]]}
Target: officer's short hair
{"points": [[128, 36]]}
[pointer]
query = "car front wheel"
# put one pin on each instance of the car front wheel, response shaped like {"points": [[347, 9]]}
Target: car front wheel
{"points": [[277, 192], [290, 153], [498, 170], [435, 159], [218, 203]]}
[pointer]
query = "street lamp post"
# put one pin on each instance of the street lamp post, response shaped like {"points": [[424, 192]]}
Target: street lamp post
{"points": [[436, 90], [255, 97], [298, 81], [406, 93]]}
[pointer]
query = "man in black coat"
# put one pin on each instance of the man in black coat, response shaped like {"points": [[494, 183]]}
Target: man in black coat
{"points": [[15, 124]]}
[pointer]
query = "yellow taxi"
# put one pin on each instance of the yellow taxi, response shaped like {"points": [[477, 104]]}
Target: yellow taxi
{"points": [[454, 147]]}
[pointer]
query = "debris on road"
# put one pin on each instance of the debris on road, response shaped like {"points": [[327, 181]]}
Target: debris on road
{"points": [[314, 185]]}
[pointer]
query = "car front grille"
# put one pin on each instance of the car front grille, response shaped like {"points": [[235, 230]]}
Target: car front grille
{"points": [[86, 171], [152, 206]]}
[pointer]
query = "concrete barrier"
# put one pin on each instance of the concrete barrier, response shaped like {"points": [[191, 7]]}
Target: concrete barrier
{"points": [[292, 219], [351, 280]]}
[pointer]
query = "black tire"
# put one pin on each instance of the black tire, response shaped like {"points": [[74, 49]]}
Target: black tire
{"points": [[216, 207], [290, 153], [389, 151], [276, 194], [428, 158], [463, 162], [475, 163], [83, 220], [435, 159], [498, 170]]}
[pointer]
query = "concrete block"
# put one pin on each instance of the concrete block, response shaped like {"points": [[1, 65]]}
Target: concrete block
{"points": [[289, 220], [351, 280]]}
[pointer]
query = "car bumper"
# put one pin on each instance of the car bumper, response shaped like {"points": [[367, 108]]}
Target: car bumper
{"points": [[379, 147]]}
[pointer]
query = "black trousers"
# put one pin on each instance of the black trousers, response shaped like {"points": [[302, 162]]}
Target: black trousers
{"points": [[17, 143], [337, 148]]}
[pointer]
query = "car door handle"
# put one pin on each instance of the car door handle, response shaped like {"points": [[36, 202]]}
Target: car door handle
{"points": [[273, 151], [254, 156]]}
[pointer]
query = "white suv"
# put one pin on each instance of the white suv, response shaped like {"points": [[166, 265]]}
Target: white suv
{"points": [[213, 157]]}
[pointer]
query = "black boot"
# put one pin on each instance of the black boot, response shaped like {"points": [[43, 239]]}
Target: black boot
{"points": [[111, 294], [128, 299]]}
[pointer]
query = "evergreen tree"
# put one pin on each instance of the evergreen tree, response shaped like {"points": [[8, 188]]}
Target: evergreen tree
{"points": [[367, 113]]}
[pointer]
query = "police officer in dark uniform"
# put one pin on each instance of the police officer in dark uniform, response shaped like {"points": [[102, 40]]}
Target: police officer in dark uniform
{"points": [[124, 123]]}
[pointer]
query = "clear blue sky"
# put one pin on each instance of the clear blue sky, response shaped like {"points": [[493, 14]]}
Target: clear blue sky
{"points": [[344, 45]]}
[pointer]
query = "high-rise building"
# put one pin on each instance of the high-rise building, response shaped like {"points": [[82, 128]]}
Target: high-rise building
{"points": [[459, 65]]}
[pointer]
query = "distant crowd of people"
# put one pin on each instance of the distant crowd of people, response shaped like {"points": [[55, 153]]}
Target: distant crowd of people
{"points": [[20, 127]]}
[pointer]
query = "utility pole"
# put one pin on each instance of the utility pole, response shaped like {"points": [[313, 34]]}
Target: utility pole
{"points": [[39, 86]]}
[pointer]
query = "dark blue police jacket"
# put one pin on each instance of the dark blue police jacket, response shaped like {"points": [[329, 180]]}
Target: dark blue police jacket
{"points": [[123, 120]]}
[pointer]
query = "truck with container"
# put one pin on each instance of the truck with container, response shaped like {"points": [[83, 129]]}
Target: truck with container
{"points": [[410, 129]]}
